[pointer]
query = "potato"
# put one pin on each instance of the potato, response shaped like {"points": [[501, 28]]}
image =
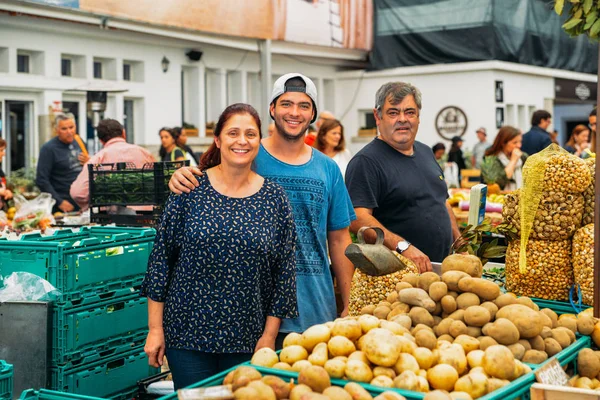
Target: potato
{"points": [[477, 316], [264, 391], [377, 371], [382, 312], [505, 299], [460, 396], [244, 375], [426, 279], [420, 315], [336, 393], [527, 321], [583, 383], [406, 344], [245, 393], [358, 371], [473, 383], [569, 332], [392, 297], [551, 347], [265, 357], [340, 346], [486, 341], [382, 347], [382, 381], [368, 322], [463, 262], [458, 315], [360, 356], [407, 380], [535, 357], [495, 384], [357, 392], [368, 310], [442, 377], [466, 300], [426, 338], [484, 289], [437, 395], [420, 327], [403, 320], [437, 290], [468, 343], [561, 337], [280, 387], [453, 355], [417, 297], [568, 322], [473, 331], [451, 279], [393, 327], [502, 331], [526, 301], [443, 327], [585, 324], [282, 366], [552, 315], [518, 350], [349, 328], [315, 377], [499, 362], [546, 321], [424, 357], [402, 285], [406, 362], [475, 358], [412, 279], [492, 309], [298, 391], [390, 396], [399, 309], [525, 343], [335, 368], [293, 353], [457, 328], [314, 335], [300, 365], [537, 343], [445, 338], [448, 304], [546, 333], [588, 363]]}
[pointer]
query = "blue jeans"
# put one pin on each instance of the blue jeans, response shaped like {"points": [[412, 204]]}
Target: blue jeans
{"points": [[190, 366]]}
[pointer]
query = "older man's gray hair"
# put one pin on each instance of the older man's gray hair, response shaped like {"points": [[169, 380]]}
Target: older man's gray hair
{"points": [[398, 91], [62, 117]]}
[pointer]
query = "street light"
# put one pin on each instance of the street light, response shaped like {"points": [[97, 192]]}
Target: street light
{"points": [[165, 64]]}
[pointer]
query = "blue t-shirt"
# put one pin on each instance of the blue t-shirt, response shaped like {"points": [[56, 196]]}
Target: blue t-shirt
{"points": [[320, 203]]}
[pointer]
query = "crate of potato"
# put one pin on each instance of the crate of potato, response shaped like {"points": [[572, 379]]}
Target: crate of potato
{"points": [[456, 333]]}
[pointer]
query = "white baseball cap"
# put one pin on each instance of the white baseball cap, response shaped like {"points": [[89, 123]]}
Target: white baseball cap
{"points": [[280, 88]]}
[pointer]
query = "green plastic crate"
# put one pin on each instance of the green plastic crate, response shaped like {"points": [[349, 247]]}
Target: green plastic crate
{"points": [[559, 307], [6, 380], [45, 394], [110, 376], [82, 263], [99, 325]]}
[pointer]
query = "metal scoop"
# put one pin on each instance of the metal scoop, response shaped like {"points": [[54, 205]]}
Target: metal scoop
{"points": [[373, 259]]}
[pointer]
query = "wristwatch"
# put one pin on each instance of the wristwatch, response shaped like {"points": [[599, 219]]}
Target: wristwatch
{"points": [[402, 246]]}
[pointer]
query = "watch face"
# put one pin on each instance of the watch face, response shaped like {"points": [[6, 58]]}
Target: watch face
{"points": [[402, 245]]}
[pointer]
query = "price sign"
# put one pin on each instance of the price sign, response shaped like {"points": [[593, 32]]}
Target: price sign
{"points": [[552, 374]]}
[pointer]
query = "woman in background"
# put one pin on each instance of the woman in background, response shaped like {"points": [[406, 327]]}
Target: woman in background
{"points": [[506, 159], [182, 144], [330, 141], [579, 140], [169, 150]]}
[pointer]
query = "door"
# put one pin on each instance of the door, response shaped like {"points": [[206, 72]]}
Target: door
{"points": [[18, 135], [128, 121]]}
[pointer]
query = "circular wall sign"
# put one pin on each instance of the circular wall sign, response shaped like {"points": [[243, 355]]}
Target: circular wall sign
{"points": [[451, 121]]}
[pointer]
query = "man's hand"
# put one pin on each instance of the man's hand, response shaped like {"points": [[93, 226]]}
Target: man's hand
{"points": [[183, 180], [265, 340], [416, 256], [65, 206], [155, 347], [83, 158]]}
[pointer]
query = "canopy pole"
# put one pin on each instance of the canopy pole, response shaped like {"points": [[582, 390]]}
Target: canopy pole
{"points": [[596, 209]]}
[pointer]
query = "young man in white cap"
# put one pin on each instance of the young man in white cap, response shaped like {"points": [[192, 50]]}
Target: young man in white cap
{"points": [[320, 202]]}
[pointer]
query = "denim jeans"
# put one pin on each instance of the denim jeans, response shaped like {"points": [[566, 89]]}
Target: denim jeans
{"points": [[190, 366]]}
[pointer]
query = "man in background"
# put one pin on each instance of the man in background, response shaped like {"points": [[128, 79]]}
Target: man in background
{"points": [[480, 148], [538, 138]]}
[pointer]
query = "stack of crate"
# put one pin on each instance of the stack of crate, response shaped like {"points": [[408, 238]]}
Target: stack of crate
{"points": [[6, 380], [99, 322]]}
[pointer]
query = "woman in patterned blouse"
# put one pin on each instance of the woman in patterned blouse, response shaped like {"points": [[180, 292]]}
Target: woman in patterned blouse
{"points": [[222, 274]]}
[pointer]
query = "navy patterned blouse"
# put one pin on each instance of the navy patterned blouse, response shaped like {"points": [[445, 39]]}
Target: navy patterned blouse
{"points": [[222, 265]]}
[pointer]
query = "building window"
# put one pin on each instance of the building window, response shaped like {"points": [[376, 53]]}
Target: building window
{"points": [[23, 63], [65, 67], [98, 69], [128, 112], [126, 72]]}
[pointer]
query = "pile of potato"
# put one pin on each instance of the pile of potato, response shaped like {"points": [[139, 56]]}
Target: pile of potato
{"points": [[583, 262], [589, 196], [549, 272], [588, 367], [367, 289], [455, 333], [313, 384]]}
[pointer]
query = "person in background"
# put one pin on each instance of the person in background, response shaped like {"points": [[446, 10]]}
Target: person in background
{"points": [[508, 159], [480, 148], [5, 193], [455, 155], [217, 292], [115, 149], [271, 129], [554, 137], [330, 141], [538, 138], [311, 135], [169, 151], [439, 149], [182, 144], [592, 126], [579, 140], [60, 162]]}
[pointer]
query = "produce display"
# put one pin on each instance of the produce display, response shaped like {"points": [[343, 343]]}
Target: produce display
{"points": [[456, 333], [549, 272], [558, 215], [133, 188], [589, 194], [583, 262], [313, 384]]}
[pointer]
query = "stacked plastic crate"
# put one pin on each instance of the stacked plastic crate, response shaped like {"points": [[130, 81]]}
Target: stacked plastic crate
{"points": [[6, 380], [100, 321]]}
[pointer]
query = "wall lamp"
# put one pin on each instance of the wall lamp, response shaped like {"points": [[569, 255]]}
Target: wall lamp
{"points": [[165, 64]]}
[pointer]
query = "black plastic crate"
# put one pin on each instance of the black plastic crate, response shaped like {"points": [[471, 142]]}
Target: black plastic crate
{"points": [[122, 184], [140, 218]]}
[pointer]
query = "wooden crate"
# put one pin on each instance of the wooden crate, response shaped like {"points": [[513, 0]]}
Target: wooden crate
{"points": [[541, 391], [367, 132]]}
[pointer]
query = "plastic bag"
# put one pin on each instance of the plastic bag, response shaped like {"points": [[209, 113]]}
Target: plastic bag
{"points": [[23, 286], [33, 214], [451, 175]]}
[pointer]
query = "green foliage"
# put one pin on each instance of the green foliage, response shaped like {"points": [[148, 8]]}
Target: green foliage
{"points": [[490, 170], [583, 17], [471, 240]]}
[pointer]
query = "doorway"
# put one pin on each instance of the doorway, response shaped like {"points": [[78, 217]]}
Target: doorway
{"points": [[18, 135]]}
